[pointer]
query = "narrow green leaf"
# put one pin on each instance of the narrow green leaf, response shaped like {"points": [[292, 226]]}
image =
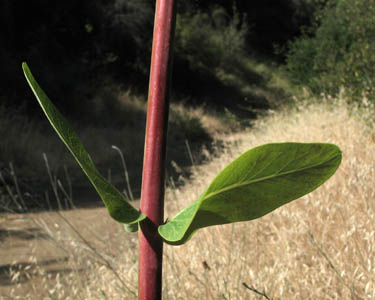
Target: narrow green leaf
{"points": [[256, 183], [114, 200]]}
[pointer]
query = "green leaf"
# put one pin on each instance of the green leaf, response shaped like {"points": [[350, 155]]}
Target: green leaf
{"points": [[256, 183], [116, 203]]}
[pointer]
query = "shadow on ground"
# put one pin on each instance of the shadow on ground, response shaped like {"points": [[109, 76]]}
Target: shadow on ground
{"points": [[26, 235], [34, 189], [6, 270]]}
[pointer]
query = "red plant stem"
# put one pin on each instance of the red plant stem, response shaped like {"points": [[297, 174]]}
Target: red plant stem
{"points": [[152, 198]]}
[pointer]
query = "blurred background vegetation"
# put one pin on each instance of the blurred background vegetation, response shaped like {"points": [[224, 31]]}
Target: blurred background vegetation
{"points": [[233, 60], [337, 50], [76, 48]]}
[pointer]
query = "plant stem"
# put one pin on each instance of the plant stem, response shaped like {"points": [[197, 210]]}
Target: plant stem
{"points": [[152, 198]]}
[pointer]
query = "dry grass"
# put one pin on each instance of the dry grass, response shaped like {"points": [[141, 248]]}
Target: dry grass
{"points": [[115, 118], [319, 247]]}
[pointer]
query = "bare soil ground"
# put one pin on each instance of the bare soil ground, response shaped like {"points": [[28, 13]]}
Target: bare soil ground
{"points": [[28, 242]]}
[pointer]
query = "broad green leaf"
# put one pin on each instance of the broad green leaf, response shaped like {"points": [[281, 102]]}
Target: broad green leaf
{"points": [[256, 183], [116, 203]]}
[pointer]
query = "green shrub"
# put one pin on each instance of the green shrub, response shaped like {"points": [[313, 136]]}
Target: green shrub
{"points": [[210, 40], [341, 52]]}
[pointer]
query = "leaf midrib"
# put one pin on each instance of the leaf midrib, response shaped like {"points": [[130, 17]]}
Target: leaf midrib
{"points": [[233, 186]]}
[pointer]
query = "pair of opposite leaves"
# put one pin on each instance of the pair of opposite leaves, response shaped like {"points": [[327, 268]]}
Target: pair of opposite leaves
{"points": [[257, 182]]}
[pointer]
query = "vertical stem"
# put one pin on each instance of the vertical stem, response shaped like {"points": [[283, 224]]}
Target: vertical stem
{"points": [[152, 198]]}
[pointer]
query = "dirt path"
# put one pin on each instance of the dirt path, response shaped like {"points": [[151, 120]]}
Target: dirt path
{"points": [[33, 242]]}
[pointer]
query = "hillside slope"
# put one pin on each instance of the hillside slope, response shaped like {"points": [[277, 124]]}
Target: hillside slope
{"points": [[317, 247]]}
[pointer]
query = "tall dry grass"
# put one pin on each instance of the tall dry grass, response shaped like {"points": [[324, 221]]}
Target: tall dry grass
{"points": [[319, 247]]}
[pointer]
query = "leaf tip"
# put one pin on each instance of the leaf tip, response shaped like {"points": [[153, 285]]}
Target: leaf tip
{"points": [[24, 66]]}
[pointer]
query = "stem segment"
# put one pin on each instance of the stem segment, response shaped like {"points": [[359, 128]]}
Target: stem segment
{"points": [[152, 198]]}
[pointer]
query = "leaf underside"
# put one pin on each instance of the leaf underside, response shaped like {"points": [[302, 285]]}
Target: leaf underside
{"points": [[256, 183], [116, 203]]}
